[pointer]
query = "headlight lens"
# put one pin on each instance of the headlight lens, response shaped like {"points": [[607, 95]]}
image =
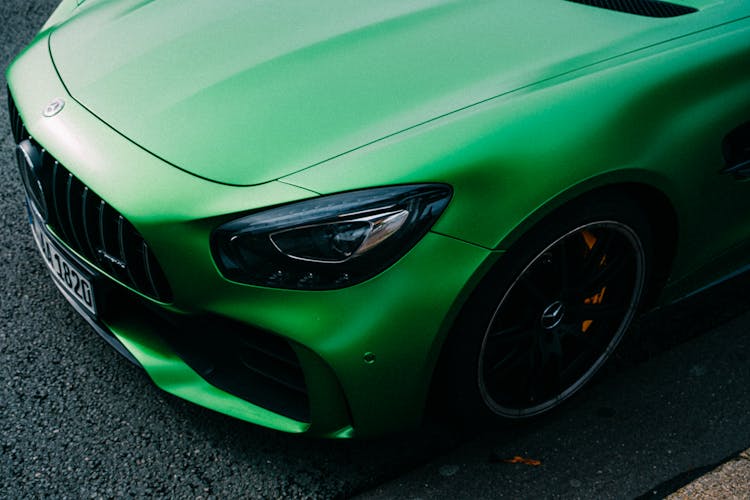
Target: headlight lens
{"points": [[328, 242]]}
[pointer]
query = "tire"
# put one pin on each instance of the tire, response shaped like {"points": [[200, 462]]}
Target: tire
{"points": [[549, 314]]}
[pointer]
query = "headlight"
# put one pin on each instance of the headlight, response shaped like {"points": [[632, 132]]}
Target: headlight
{"points": [[328, 242]]}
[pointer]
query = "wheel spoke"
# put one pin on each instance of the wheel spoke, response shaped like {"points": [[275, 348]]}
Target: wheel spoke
{"points": [[583, 358], [597, 311], [566, 330], [511, 360], [547, 351], [533, 375], [590, 342], [555, 347], [511, 335], [563, 263], [608, 273], [495, 350], [533, 290]]}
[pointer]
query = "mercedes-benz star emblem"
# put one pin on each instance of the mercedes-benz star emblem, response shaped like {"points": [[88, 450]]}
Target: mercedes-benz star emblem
{"points": [[553, 315], [54, 107]]}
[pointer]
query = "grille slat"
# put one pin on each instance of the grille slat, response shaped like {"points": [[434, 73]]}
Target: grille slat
{"points": [[16, 124], [123, 254], [92, 227], [149, 274], [68, 197], [288, 376], [268, 360], [112, 251], [133, 254], [61, 221], [286, 357], [102, 241], [85, 217]]}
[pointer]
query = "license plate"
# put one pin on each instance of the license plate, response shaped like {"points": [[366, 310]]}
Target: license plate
{"points": [[69, 275]]}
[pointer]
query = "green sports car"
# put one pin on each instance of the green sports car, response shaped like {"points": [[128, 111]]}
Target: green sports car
{"points": [[328, 217]]}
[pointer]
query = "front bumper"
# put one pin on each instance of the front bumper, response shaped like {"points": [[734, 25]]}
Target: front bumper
{"points": [[366, 352]]}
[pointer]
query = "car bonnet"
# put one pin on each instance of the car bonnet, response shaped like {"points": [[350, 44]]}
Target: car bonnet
{"points": [[243, 92]]}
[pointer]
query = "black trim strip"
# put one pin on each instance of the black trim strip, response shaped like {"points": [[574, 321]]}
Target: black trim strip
{"points": [[648, 8]]}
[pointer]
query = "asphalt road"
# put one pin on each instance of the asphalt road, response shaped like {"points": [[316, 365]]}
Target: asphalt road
{"points": [[77, 420]]}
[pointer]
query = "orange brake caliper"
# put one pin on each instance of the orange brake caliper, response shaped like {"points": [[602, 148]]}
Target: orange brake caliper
{"points": [[597, 298]]}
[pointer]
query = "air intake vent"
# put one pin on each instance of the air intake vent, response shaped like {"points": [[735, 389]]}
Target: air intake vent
{"points": [[254, 365], [649, 8]]}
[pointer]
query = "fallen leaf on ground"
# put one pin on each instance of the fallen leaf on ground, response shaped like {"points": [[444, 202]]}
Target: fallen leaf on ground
{"points": [[517, 460]]}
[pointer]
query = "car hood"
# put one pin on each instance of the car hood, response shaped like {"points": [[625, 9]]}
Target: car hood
{"points": [[243, 92]]}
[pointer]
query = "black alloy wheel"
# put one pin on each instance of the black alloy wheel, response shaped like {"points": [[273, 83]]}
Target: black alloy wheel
{"points": [[561, 318], [548, 314]]}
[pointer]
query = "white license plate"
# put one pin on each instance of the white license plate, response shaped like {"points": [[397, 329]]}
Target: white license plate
{"points": [[74, 281]]}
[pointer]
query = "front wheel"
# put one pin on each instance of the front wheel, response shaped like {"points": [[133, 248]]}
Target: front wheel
{"points": [[556, 308]]}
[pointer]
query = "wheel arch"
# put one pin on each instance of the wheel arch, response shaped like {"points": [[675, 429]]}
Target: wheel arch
{"points": [[663, 223], [655, 203]]}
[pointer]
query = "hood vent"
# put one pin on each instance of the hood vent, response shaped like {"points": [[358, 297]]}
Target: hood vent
{"points": [[649, 8]]}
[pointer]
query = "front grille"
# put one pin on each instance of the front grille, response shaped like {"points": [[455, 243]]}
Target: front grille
{"points": [[649, 8], [90, 226]]}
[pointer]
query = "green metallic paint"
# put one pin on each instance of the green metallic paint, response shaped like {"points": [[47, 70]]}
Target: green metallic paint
{"points": [[167, 205], [305, 88], [356, 95], [694, 87]]}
